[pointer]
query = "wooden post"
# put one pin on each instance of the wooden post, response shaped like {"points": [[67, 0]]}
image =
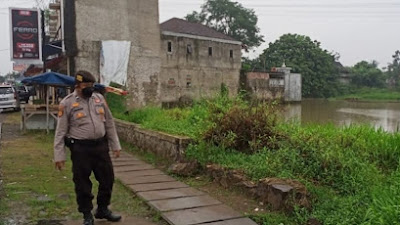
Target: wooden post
{"points": [[68, 67], [23, 119], [47, 108], [68, 73], [53, 89]]}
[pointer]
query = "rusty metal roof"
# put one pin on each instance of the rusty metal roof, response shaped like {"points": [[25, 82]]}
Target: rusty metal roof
{"points": [[185, 27]]}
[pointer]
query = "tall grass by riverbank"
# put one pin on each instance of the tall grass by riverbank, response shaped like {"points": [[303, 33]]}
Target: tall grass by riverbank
{"points": [[372, 94], [352, 172]]}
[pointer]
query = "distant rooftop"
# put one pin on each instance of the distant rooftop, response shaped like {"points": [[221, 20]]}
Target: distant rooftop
{"points": [[181, 26]]}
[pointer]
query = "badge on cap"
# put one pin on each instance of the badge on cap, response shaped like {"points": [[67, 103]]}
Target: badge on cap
{"points": [[97, 100], [79, 78]]}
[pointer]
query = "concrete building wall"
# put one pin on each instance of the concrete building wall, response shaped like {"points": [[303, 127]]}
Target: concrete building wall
{"points": [[293, 84], [344, 79], [197, 74], [293, 87], [265, 86], [125, 20]]}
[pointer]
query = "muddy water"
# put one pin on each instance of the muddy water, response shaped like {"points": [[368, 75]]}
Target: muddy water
{"points": [[385, 115]]}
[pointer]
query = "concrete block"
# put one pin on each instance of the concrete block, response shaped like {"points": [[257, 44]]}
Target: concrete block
{"points": [[184, 203], [201, 215], [169, 194]]}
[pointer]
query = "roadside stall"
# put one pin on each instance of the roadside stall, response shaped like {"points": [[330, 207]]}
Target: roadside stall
{"points": [[41, 112]]}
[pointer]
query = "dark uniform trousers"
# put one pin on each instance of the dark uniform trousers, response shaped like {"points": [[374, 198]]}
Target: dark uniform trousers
{"points": [[85, 159]]}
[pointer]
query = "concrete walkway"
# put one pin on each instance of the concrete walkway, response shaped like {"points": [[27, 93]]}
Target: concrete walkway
{"points": [[177, 203]]}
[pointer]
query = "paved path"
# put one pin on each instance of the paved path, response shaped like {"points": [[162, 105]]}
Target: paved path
{"points": [[178, 203]]}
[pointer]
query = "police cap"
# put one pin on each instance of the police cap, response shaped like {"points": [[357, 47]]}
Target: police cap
{"points": [[83, 76]]}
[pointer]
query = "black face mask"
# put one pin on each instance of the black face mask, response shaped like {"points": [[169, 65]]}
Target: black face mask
{"points": [[87, 92]]}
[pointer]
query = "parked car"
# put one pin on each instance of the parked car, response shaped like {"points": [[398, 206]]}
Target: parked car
{"points": [[23, 93], [9, 97]]}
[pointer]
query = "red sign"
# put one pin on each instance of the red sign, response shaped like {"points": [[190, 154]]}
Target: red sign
{"points": [[20, 67], [26, 35]]}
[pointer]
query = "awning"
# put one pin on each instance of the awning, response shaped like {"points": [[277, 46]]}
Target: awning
{"points": [[50, 78]]}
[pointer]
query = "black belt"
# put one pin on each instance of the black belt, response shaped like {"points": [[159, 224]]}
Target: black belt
{"points": [[90, 141]]}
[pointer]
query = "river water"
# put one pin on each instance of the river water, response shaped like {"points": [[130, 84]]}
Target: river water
{"points": [[385, 115]]}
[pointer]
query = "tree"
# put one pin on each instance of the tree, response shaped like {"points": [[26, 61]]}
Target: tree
{"points": [[304, 56], [393, 72], [230, 18], [42, 4], [365, 74]]}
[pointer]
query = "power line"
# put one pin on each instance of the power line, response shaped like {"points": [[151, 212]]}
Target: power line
{"points": [[330, 5], [257, 5], [329, 13]]}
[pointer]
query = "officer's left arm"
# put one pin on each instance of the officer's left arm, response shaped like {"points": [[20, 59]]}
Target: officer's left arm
{"points": [[111, 131]]}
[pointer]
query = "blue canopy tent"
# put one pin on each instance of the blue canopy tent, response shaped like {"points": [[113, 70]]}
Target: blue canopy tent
{"points": [[48, 79], [51, 79]]}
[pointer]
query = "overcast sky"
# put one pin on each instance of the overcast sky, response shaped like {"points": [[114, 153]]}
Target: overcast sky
{"points": [[356, 29]]}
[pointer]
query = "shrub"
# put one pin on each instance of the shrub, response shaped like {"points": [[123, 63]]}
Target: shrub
{"points": [[245, 128]]}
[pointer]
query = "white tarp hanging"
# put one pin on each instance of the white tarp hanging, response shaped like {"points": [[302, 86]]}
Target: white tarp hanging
{"points": [[114, 60]]}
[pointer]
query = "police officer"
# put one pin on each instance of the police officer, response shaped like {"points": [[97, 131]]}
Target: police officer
{"points": [[86, 126]]}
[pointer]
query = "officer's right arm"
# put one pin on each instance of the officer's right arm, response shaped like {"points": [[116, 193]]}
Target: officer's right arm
{"points": [[61, 132]]}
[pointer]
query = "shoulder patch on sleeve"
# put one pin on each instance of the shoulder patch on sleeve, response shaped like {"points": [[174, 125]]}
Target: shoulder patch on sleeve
{"points": [[61, 110]]}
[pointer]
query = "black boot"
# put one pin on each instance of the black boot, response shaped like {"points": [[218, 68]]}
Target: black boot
{"points": [[105, 213], [88, 219]]}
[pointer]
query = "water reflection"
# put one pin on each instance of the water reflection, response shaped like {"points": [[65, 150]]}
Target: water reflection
{"points": [[378, 114]]}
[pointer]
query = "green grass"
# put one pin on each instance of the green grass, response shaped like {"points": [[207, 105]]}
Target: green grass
{"points": [[352, 172], [29, 177], [373, 94], [186, 121]]}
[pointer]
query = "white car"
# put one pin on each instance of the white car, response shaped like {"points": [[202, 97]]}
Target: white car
{"points": [[9, 98]]}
